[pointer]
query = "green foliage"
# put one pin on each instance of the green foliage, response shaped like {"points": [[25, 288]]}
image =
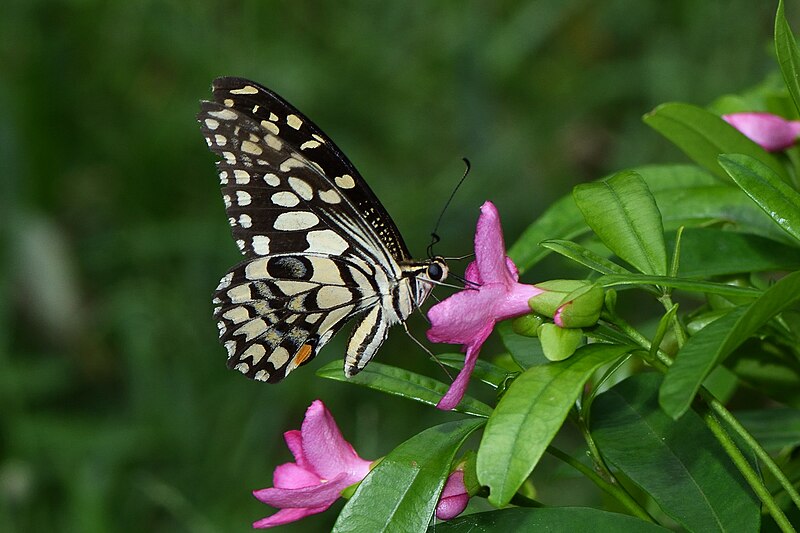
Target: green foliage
{"points": [[118, 412]]}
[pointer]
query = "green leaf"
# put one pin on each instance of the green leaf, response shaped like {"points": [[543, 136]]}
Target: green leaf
{"points": [[401, 493], [761, 368], [663, 326], [547, 519], [772, 428], [530, 414], [707, 252], [403, 383], [679, 464], [788, 54], [623, 213], [779, 201], [583, 256], [526, 351], [685, 195], [484, 371], [708, 287], [703, 136], [709, 347]]}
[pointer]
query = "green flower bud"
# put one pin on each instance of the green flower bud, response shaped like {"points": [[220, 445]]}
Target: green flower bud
{"points": [[559, 343], [571, 303], [527, 325]]}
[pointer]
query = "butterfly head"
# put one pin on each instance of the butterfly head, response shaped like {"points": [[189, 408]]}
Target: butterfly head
{"points": [[427, 273]]}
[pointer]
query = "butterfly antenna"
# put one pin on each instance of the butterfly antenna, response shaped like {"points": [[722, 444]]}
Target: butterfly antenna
{"points": [[434, 235]]}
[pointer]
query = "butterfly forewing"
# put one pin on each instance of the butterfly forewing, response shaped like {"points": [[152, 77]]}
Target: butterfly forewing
{"points": [[320, 247]]}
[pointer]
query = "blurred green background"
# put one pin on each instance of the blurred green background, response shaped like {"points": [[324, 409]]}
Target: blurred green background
{"points": [[116, 410]]}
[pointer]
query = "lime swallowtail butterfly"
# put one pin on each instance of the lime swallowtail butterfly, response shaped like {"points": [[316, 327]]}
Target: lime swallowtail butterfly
{"points": [[319, 247]]}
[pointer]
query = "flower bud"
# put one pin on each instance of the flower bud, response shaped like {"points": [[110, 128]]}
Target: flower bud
{"points": [[571, 303], [527, 325], [559, 343]]}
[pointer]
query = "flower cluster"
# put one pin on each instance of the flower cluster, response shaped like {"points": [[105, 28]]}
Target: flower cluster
{"points": [[325, 465]]}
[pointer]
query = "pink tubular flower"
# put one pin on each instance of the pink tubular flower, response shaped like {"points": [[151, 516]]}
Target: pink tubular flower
{"points": [[771, 132], [469, 316], [454, 498], [325, 464]]}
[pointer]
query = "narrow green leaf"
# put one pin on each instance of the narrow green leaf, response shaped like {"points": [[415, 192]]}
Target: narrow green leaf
{"points": [[530, 414], [484, 371], [788, 54], [767, 189], [678, 463], [703, 136], [663, 326], [547, 519], [624, 214], [400, 494], [709, 287], [774, 376], [403, 383], [707, 252], [715, 342], [584, 256]]}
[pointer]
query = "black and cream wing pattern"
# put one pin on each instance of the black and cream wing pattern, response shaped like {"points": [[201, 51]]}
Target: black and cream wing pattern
{"points": [[318, 246]]}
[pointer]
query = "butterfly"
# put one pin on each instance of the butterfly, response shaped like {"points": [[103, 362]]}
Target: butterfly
{"points": [[319, 247]]}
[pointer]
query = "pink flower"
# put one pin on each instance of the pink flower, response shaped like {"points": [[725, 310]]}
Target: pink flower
{"points": [[771, 132], [325, 464], [469, 316], [454, 498]]}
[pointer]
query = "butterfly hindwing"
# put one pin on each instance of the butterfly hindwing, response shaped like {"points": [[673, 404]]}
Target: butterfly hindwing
{"points": [[275, 313]]}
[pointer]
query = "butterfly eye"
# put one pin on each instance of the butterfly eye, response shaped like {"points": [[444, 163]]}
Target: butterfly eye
{"points": [[435, 272]]}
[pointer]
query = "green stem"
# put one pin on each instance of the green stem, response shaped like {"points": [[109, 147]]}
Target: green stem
{"points": [[613, 489], [752, 477], [662, 363], [721, 412]]}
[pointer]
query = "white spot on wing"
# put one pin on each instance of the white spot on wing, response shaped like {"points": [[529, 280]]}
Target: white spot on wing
{"points": [[279, 357], [251, 148], [294, 121], [302, 188], [247, 89], [309, 144], [261, 244], [252, 329], [242, 176], [237, 314], [227, 200], [345, 181], [285, 199], [270, 127], [225, 281], [256, 351], [228, 102], [291, 163], [211, 124], [240, 294], [261, 375], [296, 221], [333, 296], [230, 346], [273, 117], [224, 114], [272, 180], [256, 269], [330, 197], [245, 221], [326, 242], [243, 198], [220, 140], [242, 367]]}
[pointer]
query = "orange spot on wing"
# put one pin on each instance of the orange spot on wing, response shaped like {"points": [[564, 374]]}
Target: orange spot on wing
{"points": [[302, 354]]}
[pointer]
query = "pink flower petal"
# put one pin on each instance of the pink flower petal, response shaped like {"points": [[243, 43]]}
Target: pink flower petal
{"points": [[293, 476], [490, 250], [771, 132], [294, 440], [460, 318], [456, 391], [326, 449], [285, 516], [454, 498], [310, 496]]}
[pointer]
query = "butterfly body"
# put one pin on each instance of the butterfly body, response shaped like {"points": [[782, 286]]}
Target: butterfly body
{"points": [[319, 247]]}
